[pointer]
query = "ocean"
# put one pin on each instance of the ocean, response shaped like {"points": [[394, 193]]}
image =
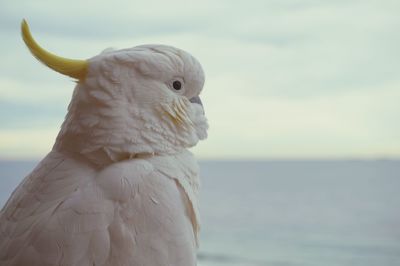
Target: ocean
{"points": [[289, 213]]}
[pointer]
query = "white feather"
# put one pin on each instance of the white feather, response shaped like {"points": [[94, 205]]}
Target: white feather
{"points": [[119, 186], [134, 211]]}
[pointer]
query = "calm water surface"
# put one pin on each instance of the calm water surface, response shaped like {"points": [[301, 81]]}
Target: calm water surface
{"points": [[289, 213]]}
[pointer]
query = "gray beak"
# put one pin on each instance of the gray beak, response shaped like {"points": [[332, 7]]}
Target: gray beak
{"points": [[196, 99]]}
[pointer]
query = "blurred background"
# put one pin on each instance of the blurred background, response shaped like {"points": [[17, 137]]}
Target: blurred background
{"points": [[301, 166]]}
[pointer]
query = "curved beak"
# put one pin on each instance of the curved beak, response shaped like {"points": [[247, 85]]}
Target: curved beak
{"points": [[196, 99]]}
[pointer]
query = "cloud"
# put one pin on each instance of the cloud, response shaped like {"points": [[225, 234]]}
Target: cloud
{"points": [[296, 78], [17, 143], [103, 19], [353, 124]]}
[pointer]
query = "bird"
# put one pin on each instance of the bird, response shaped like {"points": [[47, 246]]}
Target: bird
{"points": [[120, 186]]}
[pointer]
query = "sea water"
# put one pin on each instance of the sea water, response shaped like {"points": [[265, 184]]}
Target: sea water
{"points": [[289, 213]]}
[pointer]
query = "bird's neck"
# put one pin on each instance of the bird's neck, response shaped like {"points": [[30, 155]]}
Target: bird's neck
{"points": [[104, 138]]}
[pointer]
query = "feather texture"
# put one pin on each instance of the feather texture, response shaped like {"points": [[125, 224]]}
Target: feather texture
{"points": [[119, 187], [134, 212]]}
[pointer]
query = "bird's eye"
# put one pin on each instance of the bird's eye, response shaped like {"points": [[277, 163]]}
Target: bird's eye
{"points": [[177, 85]]}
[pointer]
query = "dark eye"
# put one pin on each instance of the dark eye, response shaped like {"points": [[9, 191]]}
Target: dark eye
{"points": [[177, 85]]}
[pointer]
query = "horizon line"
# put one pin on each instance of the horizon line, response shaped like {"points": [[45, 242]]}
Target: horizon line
{"points": [[255, 159]]}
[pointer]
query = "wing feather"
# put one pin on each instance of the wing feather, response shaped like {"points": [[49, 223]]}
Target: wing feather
{"points": [[151, 226], [29, 222], [67, 213]]}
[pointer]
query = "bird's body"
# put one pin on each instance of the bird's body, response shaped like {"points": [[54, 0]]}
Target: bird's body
{"points": [[119, 186], [134, 212]]}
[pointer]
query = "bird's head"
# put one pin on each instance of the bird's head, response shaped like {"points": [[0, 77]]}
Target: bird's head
{"points": [[130, 102]]}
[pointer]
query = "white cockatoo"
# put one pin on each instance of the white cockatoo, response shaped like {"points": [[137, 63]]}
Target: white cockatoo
{"points": [[119, 186]]}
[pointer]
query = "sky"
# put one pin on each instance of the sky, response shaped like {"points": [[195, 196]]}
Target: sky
{"points": [[284, 79]]}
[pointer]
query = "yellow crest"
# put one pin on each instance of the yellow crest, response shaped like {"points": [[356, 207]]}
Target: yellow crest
{"points": [[74, 68]]}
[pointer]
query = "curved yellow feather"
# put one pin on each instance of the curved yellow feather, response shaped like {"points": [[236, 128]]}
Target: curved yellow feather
{"points": [[74, 68]]}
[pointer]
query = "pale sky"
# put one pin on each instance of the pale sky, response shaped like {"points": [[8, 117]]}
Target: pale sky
{"points": [[284, 79]]}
